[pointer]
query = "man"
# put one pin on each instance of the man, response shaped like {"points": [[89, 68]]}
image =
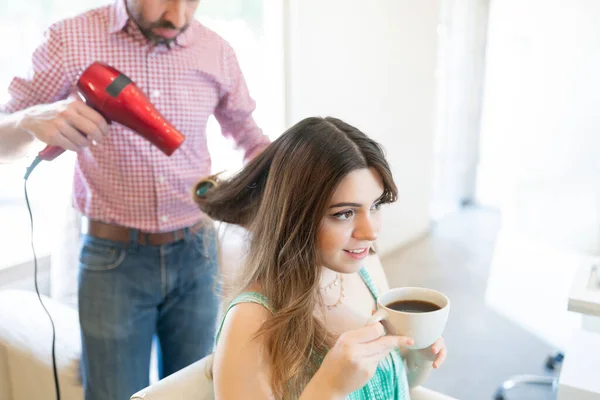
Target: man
{"points": [[148, 259]]}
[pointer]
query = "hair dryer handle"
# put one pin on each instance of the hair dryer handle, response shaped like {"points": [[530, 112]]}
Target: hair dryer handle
{"points": [[50, 153]]}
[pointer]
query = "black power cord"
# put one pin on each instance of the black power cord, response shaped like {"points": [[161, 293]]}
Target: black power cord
{"points": [[35, 279]]}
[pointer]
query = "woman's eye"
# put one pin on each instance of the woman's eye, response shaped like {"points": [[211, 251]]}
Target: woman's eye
{"points": [[376, 206], [344, 215]]}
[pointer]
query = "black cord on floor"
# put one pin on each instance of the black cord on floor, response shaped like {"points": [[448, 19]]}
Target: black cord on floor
{"points": [[35, 279]]}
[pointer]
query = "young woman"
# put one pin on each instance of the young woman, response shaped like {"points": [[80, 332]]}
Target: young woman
{"points": [[295, 321]]}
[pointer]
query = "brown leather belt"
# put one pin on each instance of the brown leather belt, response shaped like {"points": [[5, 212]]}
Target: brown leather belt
{"points": [[119, 233]]}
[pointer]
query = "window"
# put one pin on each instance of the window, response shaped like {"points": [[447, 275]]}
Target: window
{"points": [[254, 29]]}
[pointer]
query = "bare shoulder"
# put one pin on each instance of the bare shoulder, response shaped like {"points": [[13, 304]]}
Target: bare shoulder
{"points": [[241, 356], [375, 268], [247, 316]]}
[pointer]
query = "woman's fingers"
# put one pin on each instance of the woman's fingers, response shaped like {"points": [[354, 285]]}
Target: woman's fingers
{"points": [[438, 345], [439, 349], [439, 360], [384, 345], [365, 334]]}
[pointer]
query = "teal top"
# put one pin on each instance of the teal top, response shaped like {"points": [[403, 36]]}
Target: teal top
{"points": [[389, 381]]}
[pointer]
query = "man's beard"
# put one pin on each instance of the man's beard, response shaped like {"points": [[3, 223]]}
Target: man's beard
{"points": [[157, 39], [147, 27]]}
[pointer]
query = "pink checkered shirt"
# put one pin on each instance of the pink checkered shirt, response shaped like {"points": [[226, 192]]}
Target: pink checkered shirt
{"points": [[126, 180]]}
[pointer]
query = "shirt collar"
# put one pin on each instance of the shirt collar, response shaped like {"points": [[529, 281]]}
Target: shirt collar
{"points": [[118, 17], [184, 38]]}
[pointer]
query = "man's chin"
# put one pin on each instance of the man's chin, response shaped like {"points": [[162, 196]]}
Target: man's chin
{"points": [[166, 33], [165, 41], [159, 40]]}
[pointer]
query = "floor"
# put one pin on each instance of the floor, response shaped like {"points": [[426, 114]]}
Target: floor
{"points": [[486, 343]]}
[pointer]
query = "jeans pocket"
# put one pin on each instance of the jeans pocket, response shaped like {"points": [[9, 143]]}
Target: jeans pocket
{"points": [[205, 242], [101, 254]]}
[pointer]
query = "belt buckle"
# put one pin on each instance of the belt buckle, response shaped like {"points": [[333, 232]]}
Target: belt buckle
{"points": [[144, 238]]}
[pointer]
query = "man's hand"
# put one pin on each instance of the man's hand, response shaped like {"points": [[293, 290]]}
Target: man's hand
{"points": [[70, 124]]}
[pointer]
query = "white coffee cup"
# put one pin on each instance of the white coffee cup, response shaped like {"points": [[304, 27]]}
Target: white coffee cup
{"points": [[423, 327]]}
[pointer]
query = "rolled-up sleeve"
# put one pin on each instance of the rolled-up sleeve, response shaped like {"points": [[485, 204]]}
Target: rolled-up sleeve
{"points": [[45, 82], [235, 108]]}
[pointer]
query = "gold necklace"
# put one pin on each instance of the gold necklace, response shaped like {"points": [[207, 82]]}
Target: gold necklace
{"points": [[338, 281]]}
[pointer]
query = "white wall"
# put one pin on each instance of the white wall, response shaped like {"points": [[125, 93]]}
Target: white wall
{"points": [[372, 63], [461, 61], [540, 145]]}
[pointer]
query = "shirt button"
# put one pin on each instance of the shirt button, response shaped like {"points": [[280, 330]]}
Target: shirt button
{"points": [[164, 218], [156, 94], [161, 179]]}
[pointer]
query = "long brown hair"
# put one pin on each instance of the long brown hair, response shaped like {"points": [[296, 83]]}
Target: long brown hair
{"points": [[281, 197]]}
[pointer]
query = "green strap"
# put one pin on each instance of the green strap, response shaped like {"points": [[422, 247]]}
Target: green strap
{"points": [[246, 297], [364, 274]]}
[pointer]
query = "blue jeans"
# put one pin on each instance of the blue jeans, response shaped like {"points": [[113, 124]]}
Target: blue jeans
{"points": [[128, 293]]}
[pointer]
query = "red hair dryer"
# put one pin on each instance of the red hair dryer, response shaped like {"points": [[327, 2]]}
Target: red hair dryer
{"points": [[118, 99]]}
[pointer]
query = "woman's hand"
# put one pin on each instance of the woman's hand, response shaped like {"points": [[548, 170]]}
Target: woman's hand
{"points": [[420, 362], [352, 361], [438, 349], [434, 354]]}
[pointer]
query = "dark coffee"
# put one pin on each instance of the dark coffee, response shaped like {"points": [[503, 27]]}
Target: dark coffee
{"points": [[414, 306]]}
